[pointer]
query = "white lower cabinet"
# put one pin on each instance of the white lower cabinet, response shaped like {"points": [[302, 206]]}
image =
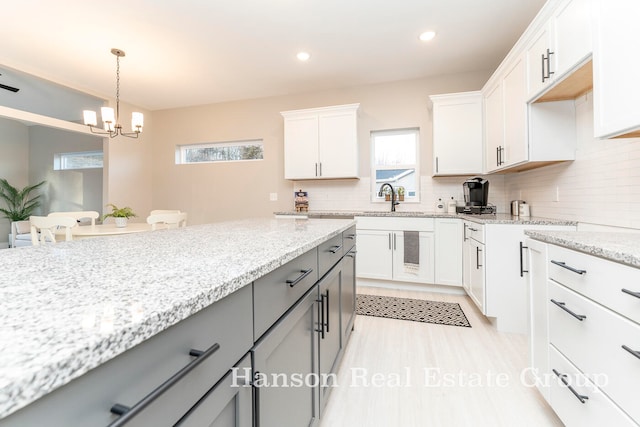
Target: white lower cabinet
{"points": [[448, 251], [476, 273], [538, 302], [577, 400], [498, 271], [585, 342], [383, 245], [375, 252]]}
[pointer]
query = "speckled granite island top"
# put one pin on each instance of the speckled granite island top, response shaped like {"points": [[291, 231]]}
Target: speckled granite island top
{"points": [[69, 307], [481, 219], [619, 247]]}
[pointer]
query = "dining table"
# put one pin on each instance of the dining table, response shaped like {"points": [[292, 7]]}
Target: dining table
{"points": [[110, 229]]}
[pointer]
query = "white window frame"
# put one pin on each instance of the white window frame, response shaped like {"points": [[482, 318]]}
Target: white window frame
{"points": [[182, 149], [375, 186], [60, 160]]}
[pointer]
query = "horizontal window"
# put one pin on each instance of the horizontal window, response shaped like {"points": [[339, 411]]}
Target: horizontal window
{"points": [[78, 160], [220, 152]]}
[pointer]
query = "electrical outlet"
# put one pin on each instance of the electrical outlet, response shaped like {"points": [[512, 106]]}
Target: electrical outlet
{"points": [[273, 197]]}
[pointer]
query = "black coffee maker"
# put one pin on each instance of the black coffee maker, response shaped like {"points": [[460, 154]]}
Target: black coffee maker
{"points": [[476, 197]]}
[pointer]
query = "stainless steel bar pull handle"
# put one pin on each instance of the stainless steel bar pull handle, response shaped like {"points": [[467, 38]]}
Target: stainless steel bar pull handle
{"points": [[350, 236], [580, 317], [327, 315], [563, 378], [128, 413], [568, 267], [522, 270], [297, 280], [321, 315], [630, 350], [256, 398], [335, 249], [632, 293]]}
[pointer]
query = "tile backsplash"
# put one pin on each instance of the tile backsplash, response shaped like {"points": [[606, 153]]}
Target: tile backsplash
{"points": [[355, 194], [599, 187]]}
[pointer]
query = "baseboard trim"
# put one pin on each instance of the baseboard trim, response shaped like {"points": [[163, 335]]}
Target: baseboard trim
{"points": [[409, 286]]}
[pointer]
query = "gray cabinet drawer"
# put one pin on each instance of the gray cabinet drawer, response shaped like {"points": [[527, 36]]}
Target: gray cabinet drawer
{"points": [[128, 378], [349, 239], [276, 292], [228, 404], [329, 253]]}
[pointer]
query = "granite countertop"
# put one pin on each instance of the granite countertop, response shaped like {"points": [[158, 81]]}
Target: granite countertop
{"points": [[481, 219], [619, 247], [69, 307]]}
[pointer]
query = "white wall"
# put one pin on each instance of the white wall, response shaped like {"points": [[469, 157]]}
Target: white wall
{"points": [[599, 187], [14, 163]]}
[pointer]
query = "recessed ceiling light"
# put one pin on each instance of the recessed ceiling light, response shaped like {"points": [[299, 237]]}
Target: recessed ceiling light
{"points": [[427, 35], [303, 56]]}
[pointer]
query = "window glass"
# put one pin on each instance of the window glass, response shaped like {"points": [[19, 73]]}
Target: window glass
{"points": [[220, 152], [395, 161], [78, 160]]}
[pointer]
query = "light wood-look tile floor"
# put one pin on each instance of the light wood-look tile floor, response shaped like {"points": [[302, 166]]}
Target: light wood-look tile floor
{"points": [[412, 374]]}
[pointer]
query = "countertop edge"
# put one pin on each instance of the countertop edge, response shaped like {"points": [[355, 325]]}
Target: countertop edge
{"points": [[619, 255], [479, 219]]}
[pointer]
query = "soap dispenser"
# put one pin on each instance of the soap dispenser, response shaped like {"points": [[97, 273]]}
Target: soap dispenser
{"points": [[440, 208], [451, 205]]}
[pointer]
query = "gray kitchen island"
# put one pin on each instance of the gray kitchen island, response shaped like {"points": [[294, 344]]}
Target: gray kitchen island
{"points": [[143, 329]]}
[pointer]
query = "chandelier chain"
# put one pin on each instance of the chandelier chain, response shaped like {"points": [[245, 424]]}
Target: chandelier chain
{"points": [[117, 89]]}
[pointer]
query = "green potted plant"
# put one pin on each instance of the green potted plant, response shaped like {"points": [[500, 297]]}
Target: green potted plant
{"points": [[19, 204], [120, 215], [387, 193], [400, 192]]}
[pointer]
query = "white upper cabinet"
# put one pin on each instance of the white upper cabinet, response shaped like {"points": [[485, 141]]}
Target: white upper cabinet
{"points": [[494, 126], [506, 118], [537, 66], [457, 150], [562, 43], [616, 62], [572, 36], [549, 63], [514, 92], [321, 143]]}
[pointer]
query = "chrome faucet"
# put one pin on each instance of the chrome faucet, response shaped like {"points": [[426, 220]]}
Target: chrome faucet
{"points": [[393, 195]]}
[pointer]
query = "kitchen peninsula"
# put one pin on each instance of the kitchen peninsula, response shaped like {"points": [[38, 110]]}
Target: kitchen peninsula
{"points": [[78, 307]]}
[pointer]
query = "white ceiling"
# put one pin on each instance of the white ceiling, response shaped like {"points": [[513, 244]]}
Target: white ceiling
{"points": [[192, 52]]}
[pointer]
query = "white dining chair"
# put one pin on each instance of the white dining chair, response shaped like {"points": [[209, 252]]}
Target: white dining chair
{"points": [[79, 215], [43, 228], [164, 211], [172, 220]]}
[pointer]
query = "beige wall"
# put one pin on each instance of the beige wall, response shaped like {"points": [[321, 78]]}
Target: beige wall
{"points": [[14, 163], [220, 191], [128, 166]]}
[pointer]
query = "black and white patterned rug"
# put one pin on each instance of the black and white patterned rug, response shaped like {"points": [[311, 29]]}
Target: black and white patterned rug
{"points": [[417, 310]]}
